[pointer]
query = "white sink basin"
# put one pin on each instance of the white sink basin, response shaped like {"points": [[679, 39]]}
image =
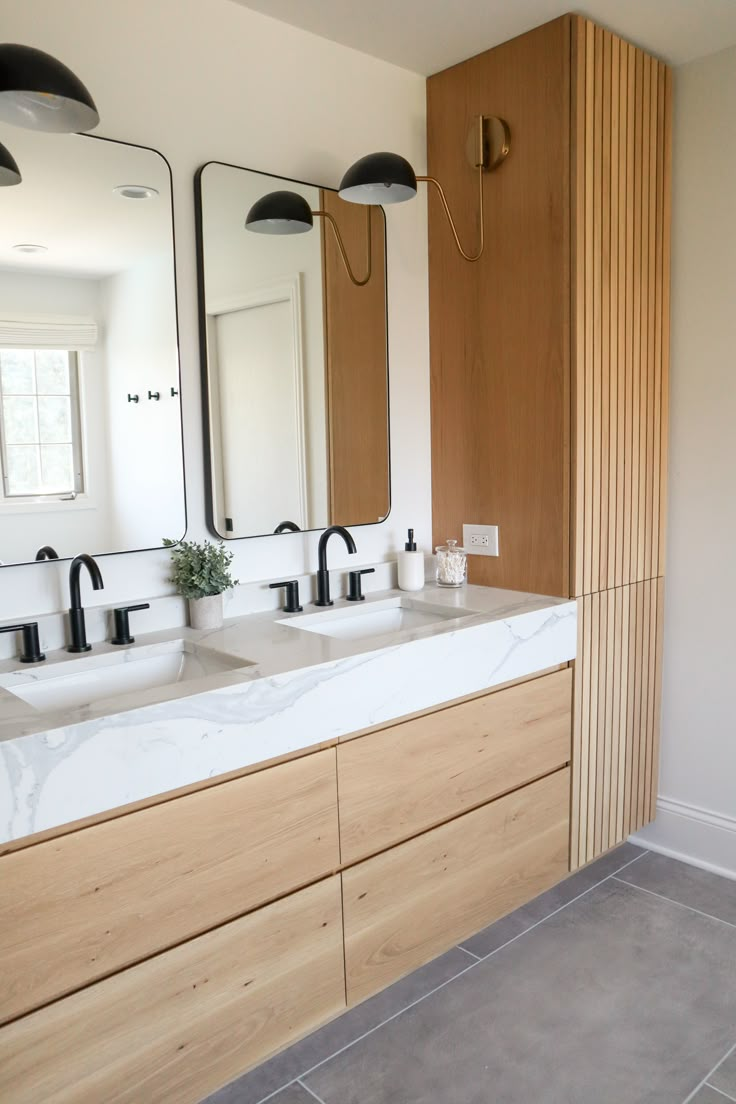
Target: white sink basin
{"points": [[382, 618], [95, 678]]}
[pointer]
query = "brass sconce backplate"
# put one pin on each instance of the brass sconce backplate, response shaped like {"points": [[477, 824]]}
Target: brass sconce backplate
{"points": [[489, 142]]}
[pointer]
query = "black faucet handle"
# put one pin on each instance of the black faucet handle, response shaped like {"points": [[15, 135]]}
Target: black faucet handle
{"points": [[355, 594], [122, 623], [292, 595], [31, 645]]}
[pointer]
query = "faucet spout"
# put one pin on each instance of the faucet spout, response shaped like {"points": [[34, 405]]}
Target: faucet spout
{"points": [[323, 575], [76, 612]]}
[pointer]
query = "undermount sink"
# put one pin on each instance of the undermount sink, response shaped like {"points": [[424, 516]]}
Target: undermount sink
{"points": [[76, 682], [382, 618]]}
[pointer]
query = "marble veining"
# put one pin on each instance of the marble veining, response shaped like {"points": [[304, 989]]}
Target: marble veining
{"points": [[302, 689]]}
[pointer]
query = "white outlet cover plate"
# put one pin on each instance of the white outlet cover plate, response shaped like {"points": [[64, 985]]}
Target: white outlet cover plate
{"points": [[489, 532]]}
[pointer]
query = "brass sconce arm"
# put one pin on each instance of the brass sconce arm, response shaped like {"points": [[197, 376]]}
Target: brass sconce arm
{"points": [[450, 219], [341, 246]]}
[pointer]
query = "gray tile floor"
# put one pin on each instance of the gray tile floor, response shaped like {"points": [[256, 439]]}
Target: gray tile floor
{"points": [[616, 987]]}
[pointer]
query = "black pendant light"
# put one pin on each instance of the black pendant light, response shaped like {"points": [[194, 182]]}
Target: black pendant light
{"points": [[38, 92], [289, 213], [389, 178], [379, 178], [280, 213], [9, 171]]}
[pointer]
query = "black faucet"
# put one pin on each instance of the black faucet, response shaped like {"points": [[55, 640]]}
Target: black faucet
{"points": [[47, 553], [323, 575], [287, 527], [76, 613]]}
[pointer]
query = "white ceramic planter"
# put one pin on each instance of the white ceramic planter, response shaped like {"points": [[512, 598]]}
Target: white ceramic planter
{"points": [[206, 613]]}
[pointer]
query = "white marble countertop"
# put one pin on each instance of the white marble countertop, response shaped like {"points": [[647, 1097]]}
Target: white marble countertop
{"points": [[300, 688]]}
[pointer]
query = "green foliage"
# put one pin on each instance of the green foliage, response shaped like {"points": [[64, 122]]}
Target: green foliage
{"points": [[200, 570]]}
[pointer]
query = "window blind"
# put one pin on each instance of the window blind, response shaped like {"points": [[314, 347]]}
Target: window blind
{"points": [[48, 333]]}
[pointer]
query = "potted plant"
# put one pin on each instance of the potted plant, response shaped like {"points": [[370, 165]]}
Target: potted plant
{"points": [[201, 574]]}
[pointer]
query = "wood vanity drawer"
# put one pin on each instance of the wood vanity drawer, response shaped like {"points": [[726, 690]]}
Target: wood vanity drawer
{"points": [[178, 1026], [81, 906], [405, 779], [406, 906]]}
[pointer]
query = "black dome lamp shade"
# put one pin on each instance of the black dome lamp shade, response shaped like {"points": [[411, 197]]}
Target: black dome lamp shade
{"points": [[289, 213], [9, 171], [389, 178], [379, 178], [38, 92], [280, 213]]}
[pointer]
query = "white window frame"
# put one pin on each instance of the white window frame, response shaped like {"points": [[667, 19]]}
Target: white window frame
{"points": [[26, 502]]}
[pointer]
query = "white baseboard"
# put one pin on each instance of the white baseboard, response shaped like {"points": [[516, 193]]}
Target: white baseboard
{"points": [[693, 835]]}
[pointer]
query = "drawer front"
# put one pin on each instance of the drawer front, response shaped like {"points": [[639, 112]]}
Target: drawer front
{"points": [[92, 902], [405, 779], [406, 906], [178, 1026]]}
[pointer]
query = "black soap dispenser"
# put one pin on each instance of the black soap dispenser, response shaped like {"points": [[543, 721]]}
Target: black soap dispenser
{"points": [[411, 565]]}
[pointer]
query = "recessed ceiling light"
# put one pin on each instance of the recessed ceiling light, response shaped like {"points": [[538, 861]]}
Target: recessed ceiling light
{"points": [[135, 191], [29, 247]]}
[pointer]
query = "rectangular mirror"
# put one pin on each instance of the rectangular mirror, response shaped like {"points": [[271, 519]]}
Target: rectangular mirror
{"points": [[90, 419], [294, 359]]}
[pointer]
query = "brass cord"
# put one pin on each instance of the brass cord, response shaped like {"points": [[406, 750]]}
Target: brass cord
{"points": [[446, 208], [338, 238]]}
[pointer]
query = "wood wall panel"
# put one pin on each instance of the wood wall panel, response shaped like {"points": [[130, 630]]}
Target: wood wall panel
{"points": [[356, 348], [86, 904], [499, 328], [616, 716], [177, 1027], [620, 240]]}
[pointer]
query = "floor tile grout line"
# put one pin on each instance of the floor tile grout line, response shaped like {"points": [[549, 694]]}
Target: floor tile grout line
{"points": [[566, 905], [461, 973], [478, 958], [310, 1091], [709, 1074], [671, 901], [725, 1095]]}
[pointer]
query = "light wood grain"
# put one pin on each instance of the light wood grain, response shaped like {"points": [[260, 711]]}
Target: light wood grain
{"points": [[356, 364], [609, 804], [178, 1026], [405, 906], [500, 328], [399, 782], [89, 903]]}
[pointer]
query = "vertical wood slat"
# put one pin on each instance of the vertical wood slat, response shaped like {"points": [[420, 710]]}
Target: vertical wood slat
{"points": [[616, 715], [666, 201], [620, 170]]}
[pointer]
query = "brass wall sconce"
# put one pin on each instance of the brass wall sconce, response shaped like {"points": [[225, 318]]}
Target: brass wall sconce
{"points": [[280, 213], [382, 178]]}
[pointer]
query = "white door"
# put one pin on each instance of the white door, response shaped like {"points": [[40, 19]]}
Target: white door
{"points": [[260, 417]]}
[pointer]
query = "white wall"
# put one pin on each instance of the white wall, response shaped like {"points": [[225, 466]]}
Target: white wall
{"points": [[697, 809], [70, 527], [210, 80]]}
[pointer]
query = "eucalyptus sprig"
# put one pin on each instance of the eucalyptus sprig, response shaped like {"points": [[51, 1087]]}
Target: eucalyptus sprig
{"points": [[200, 570]]}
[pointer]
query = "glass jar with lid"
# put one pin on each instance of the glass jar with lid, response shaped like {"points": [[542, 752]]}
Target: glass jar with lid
{"points": [[452, 564]]}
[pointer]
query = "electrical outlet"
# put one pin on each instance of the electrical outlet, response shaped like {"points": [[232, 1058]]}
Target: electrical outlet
{"points": [[480, 540]]}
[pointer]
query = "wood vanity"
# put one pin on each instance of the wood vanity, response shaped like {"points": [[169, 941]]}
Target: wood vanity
{"points": [[155, 955]]}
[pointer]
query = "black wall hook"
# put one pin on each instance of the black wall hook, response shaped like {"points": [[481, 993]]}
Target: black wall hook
{"points": [[156, 395], [134, 398]]}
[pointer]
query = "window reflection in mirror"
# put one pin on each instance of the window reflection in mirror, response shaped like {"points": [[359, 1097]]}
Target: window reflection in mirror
{"points": [[294, 362], [87, 319]]}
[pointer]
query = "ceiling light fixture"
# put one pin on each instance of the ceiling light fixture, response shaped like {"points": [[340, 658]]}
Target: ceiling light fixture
{"points": [[38, 92], [29, 247], [281, 213], [389, 178], [9, 171], [135, 191]]}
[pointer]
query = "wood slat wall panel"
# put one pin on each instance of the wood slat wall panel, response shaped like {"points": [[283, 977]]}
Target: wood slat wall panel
{"points": [[620, 150], [617, 677]]}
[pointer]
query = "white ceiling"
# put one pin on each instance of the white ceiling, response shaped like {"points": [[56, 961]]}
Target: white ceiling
{"points": [[428, 35], [65, 201]]}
